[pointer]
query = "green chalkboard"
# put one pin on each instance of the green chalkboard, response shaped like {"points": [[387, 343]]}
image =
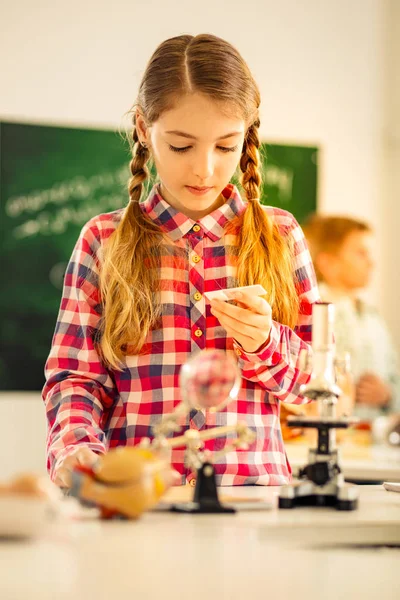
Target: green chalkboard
{"points": [[53, 180]]}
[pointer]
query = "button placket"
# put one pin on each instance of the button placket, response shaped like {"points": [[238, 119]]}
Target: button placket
{"points": [[196, 287]]}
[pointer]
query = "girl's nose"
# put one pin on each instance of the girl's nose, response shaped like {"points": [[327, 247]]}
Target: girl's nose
{"points": [[204, 166]]}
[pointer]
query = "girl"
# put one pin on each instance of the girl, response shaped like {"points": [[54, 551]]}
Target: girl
{"points": [[133, 307]]}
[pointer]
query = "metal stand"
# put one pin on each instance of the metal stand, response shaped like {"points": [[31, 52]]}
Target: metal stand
{"points": [[320, 482], [205, 499]]}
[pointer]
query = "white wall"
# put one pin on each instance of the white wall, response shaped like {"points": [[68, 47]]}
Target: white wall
{"points": [[324, 68]]}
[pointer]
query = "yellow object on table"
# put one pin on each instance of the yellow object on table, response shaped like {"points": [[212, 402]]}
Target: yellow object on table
{"points": [[124, 482]]}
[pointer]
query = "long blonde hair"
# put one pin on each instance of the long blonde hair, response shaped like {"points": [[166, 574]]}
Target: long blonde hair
{"points": [[129, 276]]}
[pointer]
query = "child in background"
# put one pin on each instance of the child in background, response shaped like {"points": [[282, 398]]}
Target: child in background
{"points": [[340, 250], [133, 309]]}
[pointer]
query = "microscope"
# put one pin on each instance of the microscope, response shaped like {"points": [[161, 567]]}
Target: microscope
{"points": [[321, 482]]}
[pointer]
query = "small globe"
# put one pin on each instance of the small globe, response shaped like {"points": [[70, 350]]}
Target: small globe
{"points": [[210, 379]]}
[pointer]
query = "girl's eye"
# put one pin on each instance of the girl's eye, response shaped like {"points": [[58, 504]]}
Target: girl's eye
{"points": [[224, 149], [175, 149], [186, 148]]}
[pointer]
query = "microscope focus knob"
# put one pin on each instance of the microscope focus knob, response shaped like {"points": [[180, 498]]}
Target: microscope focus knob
{"points": [[319, 473]]}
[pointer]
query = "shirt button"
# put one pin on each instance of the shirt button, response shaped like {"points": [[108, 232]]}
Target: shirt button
{"points": [[196, 258], [192, 482], [196, 227], [238, 351], [198, 333], [197, 296]]}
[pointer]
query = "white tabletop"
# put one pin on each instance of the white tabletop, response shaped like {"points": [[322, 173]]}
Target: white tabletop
{"points": [[246, 555]]}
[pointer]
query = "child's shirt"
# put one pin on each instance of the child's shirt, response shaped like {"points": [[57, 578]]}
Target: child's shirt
{"points": [[100, 408]]}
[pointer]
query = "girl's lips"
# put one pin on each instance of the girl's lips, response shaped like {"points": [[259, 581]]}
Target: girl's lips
{"points": [[198, 191]]}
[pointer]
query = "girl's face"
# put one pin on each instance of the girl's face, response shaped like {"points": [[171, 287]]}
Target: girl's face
{"points": [[196, 148]]}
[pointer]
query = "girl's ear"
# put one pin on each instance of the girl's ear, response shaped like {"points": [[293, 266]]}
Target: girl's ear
{"points": [[142, 128]]}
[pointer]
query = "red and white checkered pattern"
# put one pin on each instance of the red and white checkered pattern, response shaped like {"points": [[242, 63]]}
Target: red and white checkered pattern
{"points": [[89, 405]]}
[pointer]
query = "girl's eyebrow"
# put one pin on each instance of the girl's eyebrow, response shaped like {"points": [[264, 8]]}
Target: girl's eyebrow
{"points": [[192, 137]]}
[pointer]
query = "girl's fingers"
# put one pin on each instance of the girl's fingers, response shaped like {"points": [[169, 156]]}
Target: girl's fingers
{"points": [[252, 331], [239, 333], [243, 340], [252, 306], [242, 316], [256, 304], [81, 456], [63, 478]]}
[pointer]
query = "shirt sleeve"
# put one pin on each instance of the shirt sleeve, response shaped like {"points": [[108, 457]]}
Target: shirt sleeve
{"points": [[78, 387], [277, 366]]}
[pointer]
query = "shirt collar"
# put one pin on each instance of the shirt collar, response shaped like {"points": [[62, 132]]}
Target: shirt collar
{"points": [[176, 224]]}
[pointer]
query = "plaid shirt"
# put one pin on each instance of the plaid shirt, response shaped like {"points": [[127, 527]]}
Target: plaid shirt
{"points": [[88, 404]]}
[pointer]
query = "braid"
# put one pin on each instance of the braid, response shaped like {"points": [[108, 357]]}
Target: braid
{"points": [[138, 168], [264, 254], [139, 174], [250, 163]]}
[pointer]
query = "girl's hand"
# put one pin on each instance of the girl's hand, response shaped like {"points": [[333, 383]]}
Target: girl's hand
{"points": [[81, 456], [249, 323]]}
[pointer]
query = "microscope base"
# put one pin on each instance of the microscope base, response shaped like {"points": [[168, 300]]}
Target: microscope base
{"points": [[342, 496], [318, 500]]}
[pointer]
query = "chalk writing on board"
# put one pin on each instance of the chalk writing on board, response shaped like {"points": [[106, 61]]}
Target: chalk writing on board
{"points": [[79, 188], [83, 190], [282, 179]]}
